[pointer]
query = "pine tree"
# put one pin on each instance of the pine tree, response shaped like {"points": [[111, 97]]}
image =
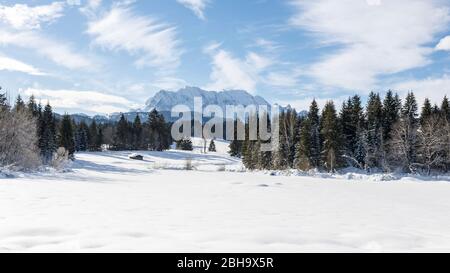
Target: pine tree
{"points": [[404, 140], [212, 146], [47, 134], [427, 111], [236, 145], [94, 134], [99, 139], [81, 137], [281, 156], [374, 140], [331, 148], [303, 147], [3, 101], [250, 154], [391, 113], [121, 136], [66, 138], [33, 107], [445, 108], [160, 137], [352, 122], [20, 104], [184, 144], [137, 133], [315, 147]]}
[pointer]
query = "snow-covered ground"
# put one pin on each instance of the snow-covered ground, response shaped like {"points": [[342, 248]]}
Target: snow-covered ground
{"points": [[111, 203]]}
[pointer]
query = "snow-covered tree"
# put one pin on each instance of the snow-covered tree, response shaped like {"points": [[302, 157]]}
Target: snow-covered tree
{"points": [[431, 144], [212, 146], [18, 138], [404, 136], [185, 144]]}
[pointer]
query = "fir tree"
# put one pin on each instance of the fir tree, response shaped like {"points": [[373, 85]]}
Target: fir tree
{"points": [[94, 135], [409, 110], [303, 147], [281, 156], [81, 137], [445, 108], [374, 135], [121, 136], [159, 133], [185, 144], [236, 145], [331, 148], [404, 140], [427, 111], [33, 107], [250, 154], [47, 134], [66, 138], [137, 133], [3, 101], [315, 147], [99, 139], [20, 104], [212, 146], [391, 113]]}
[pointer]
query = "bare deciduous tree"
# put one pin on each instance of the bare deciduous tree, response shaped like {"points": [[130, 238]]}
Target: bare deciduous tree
{"points": [[18, 140], [432, 140], [403, 145]]}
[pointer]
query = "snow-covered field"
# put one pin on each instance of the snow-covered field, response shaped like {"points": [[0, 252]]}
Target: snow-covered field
{"points": [[110, 203]]}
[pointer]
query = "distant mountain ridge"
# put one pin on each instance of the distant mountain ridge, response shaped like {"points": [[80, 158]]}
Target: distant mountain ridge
{"points": [[164, 101]]}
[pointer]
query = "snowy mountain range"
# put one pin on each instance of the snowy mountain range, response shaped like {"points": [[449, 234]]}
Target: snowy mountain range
{"points": [[164, 100]]}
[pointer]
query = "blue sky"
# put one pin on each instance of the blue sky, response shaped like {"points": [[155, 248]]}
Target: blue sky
{"points": [[97, 56]]}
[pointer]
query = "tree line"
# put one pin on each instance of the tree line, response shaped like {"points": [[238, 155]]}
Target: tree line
{"points": [[32, 135], [384, 135]]}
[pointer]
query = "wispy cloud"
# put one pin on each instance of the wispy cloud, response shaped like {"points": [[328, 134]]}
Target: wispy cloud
{"points": [[82, 101], [59, 52], [22, 28], [154, 43], [10, 64], [197, 6], [375, 37]]}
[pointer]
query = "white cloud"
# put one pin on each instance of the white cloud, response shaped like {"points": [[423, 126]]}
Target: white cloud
{"points": [[90, 8], [153, 42], [197, 6], [10, 64], [283, 79], [229, 72], [74, 101], [58, 52], [22, 16], [376, 37], [444, 44], [434, 88]]}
